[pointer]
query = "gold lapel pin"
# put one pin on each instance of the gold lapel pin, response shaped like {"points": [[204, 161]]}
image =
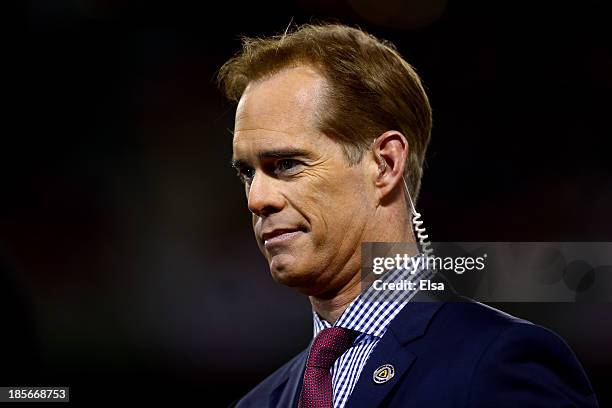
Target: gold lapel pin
{"points": [[383, 373]]}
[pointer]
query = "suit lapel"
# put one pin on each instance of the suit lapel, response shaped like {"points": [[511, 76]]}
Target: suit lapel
{"points": [[369, 394], [394, 349], [289, 394]]}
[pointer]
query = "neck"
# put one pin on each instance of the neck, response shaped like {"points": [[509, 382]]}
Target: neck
{"points": [[331, 308]]}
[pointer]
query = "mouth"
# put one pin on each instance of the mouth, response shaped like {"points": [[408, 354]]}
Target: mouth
{"points": [[280, 236]]}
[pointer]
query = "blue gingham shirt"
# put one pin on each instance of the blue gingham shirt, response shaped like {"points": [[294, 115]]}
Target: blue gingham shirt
{"points": [[370, 314]]}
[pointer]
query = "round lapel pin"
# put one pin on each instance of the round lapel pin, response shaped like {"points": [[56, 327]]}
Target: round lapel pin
{"points": [[383, 373]]}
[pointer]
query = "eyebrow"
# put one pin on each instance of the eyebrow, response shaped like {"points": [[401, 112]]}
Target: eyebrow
{"points": [[274, 154]]}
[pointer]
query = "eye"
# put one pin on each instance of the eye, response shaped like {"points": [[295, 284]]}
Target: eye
{"points": [[286, 164]]}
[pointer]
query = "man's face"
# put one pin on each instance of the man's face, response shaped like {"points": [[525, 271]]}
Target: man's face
{"points": [[310, 208]]}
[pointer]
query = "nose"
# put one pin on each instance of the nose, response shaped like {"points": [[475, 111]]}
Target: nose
{"points": [[264, 196]]}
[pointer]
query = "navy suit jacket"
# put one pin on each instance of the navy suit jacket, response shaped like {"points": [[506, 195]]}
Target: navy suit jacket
{"points": [[452, 353]]}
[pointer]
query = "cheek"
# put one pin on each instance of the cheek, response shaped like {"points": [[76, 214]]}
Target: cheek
{"points": [[334, 208]]}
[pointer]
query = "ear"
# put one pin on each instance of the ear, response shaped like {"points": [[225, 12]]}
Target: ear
{"points": [[390, 152]]}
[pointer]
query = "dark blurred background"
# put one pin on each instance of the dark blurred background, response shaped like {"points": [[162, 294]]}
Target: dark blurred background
{"points": [[128, 266]]}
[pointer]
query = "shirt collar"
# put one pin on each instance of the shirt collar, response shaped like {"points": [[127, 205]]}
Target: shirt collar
{"points": [[373, 310]]}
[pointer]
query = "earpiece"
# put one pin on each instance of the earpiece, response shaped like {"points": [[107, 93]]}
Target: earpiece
{"points": [[420, 231]]}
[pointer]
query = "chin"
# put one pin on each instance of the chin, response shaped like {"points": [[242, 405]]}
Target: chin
{"points": [[286, 270]]}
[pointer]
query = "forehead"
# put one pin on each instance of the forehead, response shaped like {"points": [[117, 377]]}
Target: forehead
{"points": [[283, 106]]}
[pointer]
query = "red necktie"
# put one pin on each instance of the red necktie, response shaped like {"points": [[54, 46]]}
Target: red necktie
{"points": [[329, 344]]}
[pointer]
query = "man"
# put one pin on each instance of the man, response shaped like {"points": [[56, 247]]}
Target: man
{"points": [[331, 123]]}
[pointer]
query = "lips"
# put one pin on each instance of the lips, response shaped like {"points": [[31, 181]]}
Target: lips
{"points": [[266, 236]]}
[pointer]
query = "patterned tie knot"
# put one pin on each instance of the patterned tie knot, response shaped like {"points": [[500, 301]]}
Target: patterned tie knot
{"points": [[329, 344]]}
